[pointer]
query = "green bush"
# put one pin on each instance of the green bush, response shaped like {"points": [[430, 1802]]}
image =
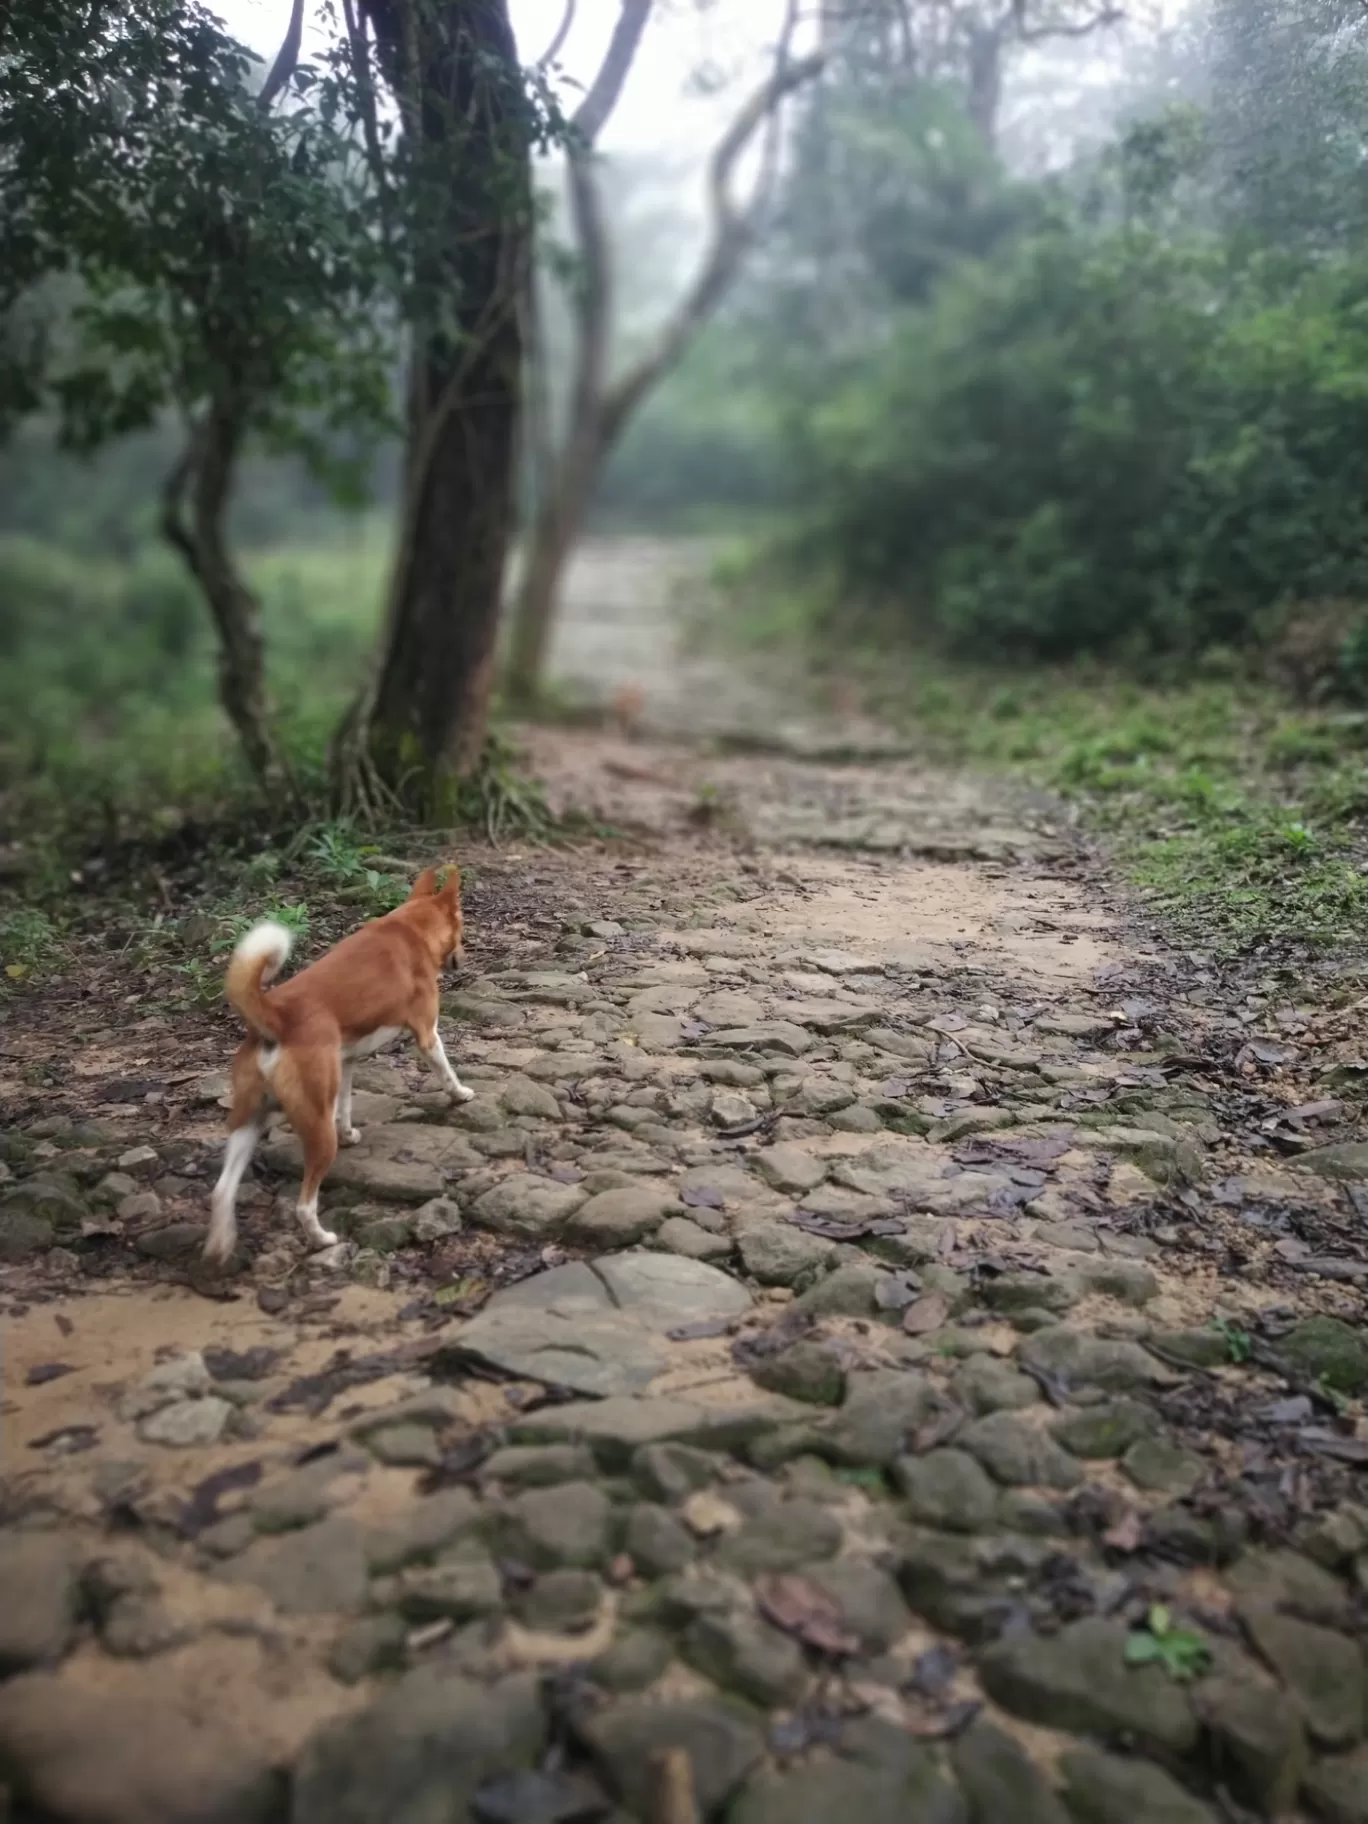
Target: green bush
{"points": [[1101, 442]]}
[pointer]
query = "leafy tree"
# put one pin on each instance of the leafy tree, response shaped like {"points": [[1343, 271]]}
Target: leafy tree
{"points": [[215, 247]]}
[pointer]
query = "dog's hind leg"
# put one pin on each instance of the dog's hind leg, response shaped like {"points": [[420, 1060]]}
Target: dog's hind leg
{"points": [[310, 1098], [347, 1135], [245, 1126]]}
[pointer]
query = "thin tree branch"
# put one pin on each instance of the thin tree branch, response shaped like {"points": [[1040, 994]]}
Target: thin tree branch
{"points": [[557, 44], [593, 112], [287, 58], [1038, 34], [732, 231]]}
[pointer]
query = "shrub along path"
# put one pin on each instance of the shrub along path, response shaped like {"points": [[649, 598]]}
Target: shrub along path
{"points": [[882, 1329]]}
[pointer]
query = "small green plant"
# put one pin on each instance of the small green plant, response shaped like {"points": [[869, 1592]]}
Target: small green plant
{"points": [[1182, 1653], [27, 935], [1239, 1343]]}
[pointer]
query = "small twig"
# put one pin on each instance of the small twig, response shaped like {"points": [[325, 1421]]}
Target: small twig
{"points": [[675, 1802]]}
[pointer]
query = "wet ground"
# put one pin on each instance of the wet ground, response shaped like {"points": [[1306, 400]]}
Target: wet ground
{"points": [[886, 1328]]}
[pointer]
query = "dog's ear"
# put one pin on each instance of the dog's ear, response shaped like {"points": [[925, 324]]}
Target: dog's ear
{"points": [[425, 885], [451, 886]]}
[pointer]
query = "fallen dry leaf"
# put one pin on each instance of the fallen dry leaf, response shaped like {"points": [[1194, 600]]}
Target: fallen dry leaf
{"points": [[799, 1607], [706, 1514], [1126, 1534], [923, 1314]]}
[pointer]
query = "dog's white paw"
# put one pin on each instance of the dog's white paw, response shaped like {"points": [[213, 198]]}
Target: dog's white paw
{"points": [[348, 1136], [218, 1248], [462, 1094], [323, 1239]]}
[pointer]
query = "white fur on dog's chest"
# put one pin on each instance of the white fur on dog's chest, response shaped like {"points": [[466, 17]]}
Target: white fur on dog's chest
{"points": [[373, 1042]]}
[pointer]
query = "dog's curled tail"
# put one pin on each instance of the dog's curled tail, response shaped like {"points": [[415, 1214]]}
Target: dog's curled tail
{"points": [[257, 961]]}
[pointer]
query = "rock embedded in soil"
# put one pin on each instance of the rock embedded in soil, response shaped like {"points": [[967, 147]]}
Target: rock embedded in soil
{"points": [[187, 1424], [320, 1570], [1325, 1349], [1000, 1780], [1338, 1788], [1018, 1454], [1323, 1672], [656, 1542], [46, 1199], [1076, 1359], [424, 1529], [883, 1412], [892, 1782], [1106, 1430], [71, 1753], [526, 1207], [986, 1385], [807, 1371], [600, 1354], [617, 1219], [870, 1602], [744, 1654], [780, 1254], [1258, 1741], [947, 1489], [790, 1169], [721, 1738], [1109, 1789], [569, 1525], [1078, 1680], [1162, 1468], [681, 1235], [39, 1598], [420, 1750], [667, 1291], [376, 1643]]}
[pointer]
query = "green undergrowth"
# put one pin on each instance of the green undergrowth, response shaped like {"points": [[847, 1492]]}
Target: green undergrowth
{"points": [[1242, 818]]}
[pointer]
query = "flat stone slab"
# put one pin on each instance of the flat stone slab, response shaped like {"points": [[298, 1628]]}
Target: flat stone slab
{"points": [[615, 1428], [587, 1352], [666, 1290]]}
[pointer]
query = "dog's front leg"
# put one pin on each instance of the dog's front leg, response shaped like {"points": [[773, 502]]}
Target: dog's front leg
{"points": [[435, 1053], [347, 1135]]}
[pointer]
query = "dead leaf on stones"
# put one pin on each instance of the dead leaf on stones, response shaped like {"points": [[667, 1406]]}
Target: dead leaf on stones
{"points": [[800, 1608], [926, 1313], [201, 1511], [945, 1725], [703, 1198], [706, 1515], [1126, 1534], [44, 1372], [830, 1229], [896, 1291]]}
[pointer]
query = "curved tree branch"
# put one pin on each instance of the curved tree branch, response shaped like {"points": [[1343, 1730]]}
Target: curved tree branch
{"points": [[287, 59], [557, 44], [1026, 33], [732, 230], [592, 114]]}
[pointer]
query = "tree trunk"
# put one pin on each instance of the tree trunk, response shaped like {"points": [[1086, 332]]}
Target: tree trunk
{"points": [[599, 410], [572, 474], [422, 723], [985, 82], [204, 475]]}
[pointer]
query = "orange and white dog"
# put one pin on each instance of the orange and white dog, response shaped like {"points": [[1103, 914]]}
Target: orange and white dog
{"points": [[306, 1035]]}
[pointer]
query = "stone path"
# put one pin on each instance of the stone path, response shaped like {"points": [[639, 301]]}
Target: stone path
{"points": [[879, 1330]]}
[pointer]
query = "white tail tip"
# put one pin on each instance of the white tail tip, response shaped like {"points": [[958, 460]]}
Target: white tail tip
{"points": [[269, 941]]}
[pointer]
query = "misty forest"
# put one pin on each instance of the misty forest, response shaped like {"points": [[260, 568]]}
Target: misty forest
{"points": [[848, 519]]}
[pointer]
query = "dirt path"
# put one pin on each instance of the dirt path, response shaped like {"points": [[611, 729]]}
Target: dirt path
{"points": [[881, 1328]]}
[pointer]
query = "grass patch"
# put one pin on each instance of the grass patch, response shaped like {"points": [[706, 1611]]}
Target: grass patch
{"points": [[1240, 817]]}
